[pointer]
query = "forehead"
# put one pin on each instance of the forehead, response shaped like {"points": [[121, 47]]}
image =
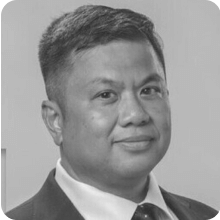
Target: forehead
{"points": [[117, 60]]}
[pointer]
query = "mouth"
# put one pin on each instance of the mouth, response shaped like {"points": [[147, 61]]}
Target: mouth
{"points": [[136, 143]]}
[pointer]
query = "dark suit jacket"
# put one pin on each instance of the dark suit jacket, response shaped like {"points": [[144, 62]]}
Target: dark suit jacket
{"points": [[50, 203]]}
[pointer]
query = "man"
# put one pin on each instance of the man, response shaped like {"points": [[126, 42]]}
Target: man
{"points": [[108, 111]]}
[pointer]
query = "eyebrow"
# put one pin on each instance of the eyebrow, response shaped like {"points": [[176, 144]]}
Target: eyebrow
{"points": [[154, 77], [103, 80]]}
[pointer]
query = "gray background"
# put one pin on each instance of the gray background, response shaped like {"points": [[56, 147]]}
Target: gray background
{"points": [[190, 30]]}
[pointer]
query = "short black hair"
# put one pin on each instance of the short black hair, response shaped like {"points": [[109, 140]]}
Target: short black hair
{"points": [[84, 28]]}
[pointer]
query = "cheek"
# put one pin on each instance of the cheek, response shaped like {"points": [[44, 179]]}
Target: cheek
{"points": [[100, 123], [161, 117]]}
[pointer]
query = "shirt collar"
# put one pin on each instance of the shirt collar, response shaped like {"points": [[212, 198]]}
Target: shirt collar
{"points": [[94, 204], [155, 197]]}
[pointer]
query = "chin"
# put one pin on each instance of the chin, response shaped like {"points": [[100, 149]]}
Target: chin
{"points": [[137, 170]]}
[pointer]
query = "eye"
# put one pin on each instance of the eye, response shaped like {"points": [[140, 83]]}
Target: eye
{"points": [[107, 95], [151, 91]]}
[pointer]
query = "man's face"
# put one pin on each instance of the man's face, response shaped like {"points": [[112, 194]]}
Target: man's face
{"points": [[117, 124]]}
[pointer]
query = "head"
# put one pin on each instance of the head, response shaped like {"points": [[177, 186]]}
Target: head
{"points": [[85, 28], [108, 107]]}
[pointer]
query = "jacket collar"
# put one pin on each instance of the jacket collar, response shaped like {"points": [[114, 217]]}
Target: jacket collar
{"points": [[52, 203], [180, 206]]}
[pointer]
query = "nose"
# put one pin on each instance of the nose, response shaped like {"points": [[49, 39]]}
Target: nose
{"points": [[132, 112]]}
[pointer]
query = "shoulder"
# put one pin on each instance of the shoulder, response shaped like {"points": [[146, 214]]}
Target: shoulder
{"points": [[22, 212], [196, 208], [196, 205], [49, 203], [27, 209]]}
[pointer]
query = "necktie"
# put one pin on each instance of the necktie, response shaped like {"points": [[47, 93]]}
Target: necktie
{"points": [[146, 211]]}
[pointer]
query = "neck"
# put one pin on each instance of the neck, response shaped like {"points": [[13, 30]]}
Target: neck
{"points": [[130, 189], [133, 189]]}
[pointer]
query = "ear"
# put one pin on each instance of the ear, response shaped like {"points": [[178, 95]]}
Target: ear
{"points": [[53, 120]]}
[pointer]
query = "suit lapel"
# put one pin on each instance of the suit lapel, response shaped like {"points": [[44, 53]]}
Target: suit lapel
{"points": [[181, 208], [51, 203], [68, 212]]}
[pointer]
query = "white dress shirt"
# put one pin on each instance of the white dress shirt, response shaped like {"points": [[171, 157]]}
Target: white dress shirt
{"points": [[94, 204]]}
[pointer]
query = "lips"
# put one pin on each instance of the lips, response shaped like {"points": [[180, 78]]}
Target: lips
{"points": [[135, 143], [140, 138]]}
